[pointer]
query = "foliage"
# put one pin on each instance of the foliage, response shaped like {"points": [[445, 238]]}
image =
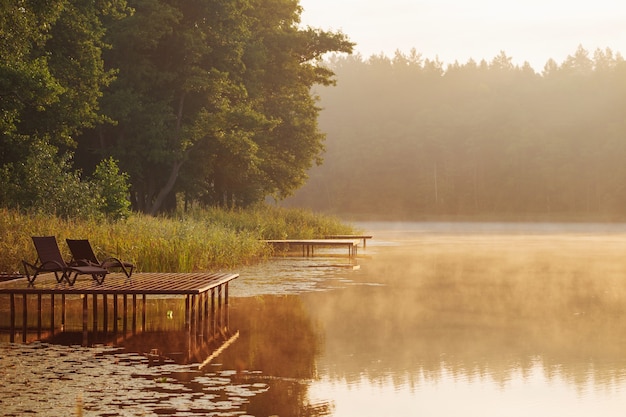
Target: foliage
{"points": [[212, 99], [52, 72], [112, 185], [45, 183], [51, 76], [206, 240], [208, 98], [485, 139]]}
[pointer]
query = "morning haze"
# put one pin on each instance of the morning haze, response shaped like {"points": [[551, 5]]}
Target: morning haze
{"points": [[408, 137], [446, 156]]}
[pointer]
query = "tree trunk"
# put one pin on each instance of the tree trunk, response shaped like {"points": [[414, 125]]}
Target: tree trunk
{"points": [[167, 188]]}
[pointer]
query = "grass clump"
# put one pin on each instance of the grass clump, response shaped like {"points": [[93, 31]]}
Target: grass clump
{"points": [[271, 222], [199, 240]]}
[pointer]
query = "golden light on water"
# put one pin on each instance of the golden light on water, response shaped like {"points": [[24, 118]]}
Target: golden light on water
{"points": [[478, 325], [456, 319]]}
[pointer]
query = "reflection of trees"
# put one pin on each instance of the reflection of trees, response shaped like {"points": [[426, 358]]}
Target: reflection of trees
{"points": [[278, 338], [488, 307]]}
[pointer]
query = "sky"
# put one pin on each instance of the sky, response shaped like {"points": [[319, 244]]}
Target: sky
{"points": [[457, 30]]}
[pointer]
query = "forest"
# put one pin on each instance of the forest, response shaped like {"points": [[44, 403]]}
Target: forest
{"points": [[410, 139], [112, 105]]}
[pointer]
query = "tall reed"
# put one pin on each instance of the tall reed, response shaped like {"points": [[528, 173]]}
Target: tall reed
{"points": [[198, 240]]}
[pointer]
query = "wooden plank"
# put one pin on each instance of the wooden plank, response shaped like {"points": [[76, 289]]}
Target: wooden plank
{"points": [[148, 283]]}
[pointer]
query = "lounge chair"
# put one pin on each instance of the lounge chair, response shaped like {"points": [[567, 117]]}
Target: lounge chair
{"points": [[83, 254], [49, 259]]}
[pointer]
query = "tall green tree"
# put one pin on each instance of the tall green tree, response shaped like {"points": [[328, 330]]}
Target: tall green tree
{"points": [[213, 99], [51, 77], [286, 63]]}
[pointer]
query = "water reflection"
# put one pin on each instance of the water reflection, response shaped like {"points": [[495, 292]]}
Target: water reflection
{"points": [[503, 314], [491, 322], [296, 275]]}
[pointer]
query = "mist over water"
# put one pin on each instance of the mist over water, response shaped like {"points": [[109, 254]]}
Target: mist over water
{"points": [[465, 319], [481, 319], [440, 319]]}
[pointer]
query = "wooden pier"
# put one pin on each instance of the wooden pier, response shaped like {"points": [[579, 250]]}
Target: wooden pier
{"points": [[308, 245], [359, 237], [206, 301]]}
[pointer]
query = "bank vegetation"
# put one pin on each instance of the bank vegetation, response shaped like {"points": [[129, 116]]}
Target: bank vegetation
{"points": [[200, 240]]}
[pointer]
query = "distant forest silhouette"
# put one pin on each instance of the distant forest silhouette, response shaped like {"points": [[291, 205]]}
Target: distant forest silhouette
{"points": [[408, 139]]}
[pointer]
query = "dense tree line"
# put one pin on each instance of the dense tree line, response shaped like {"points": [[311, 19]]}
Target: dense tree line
{"points": [[408, 138], [208, 99]]}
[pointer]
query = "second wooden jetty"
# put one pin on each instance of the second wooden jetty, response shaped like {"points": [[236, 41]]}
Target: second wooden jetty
{"points": [[308, 245]]}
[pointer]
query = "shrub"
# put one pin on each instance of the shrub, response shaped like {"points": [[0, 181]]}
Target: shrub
{"points": [[45, 183], [113, 188]]}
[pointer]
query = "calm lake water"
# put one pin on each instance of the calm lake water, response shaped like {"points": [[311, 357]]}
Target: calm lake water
{"points": [[439, 320]]}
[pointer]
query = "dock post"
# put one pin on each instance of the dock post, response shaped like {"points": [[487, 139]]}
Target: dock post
{"points": [[193, 320], [220, 322], [85, 319], [212, 313], [24, 318], [52, 314], [226, 314], [95, 313], [39, 316], [105, 315], [143, 312], [134, 313], [206, 327], [125, 315], [115, 314], [187, 312], [63, 312], [12, 298]]}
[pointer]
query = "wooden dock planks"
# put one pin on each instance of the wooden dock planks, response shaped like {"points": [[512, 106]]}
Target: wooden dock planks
{"points": [[202, 308], [151, 283]]}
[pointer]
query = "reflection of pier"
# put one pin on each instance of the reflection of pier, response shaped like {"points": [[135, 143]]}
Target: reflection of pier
{"points": [[205, 315]]}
